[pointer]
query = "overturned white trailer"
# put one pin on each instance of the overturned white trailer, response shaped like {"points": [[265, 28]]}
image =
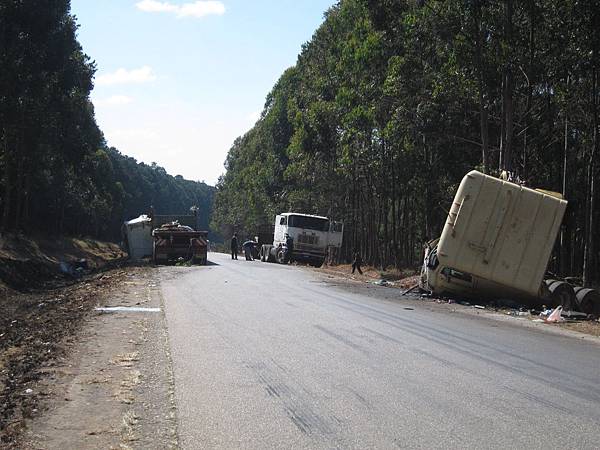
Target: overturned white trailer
{"points": [[138, 237]]}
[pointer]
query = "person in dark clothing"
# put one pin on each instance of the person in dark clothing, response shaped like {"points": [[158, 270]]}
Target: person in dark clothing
{"points": [[357, 262], [234, 246], [289, 243], [248, 250]]}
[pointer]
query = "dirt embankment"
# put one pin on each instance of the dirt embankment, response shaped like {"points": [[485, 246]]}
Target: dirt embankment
{"points": [[42, 303], [29, 263]]}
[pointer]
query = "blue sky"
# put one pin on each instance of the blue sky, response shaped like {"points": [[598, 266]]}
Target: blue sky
{"points": [[179, 80]]}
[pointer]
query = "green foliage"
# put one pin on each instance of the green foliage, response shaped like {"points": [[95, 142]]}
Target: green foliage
{"points": [[392, 102], [56, 174]]}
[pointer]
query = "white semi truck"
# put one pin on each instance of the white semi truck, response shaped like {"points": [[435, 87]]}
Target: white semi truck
{"points": [[312, 237]]}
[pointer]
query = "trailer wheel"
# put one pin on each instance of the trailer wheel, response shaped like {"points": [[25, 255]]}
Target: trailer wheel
{"points": [[562, 294], [281, 257]]}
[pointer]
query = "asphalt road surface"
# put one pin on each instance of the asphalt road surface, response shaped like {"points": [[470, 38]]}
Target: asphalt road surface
{"points": [[270, 356]]}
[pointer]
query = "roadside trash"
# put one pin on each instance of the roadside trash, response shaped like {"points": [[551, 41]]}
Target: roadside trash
{"points": [[555, 316], [507, 303], [29, 391], [409, 309], [479, 307], [516, 313], [410, 289], [75, 270], [379, 282], [575, 315], [81, 264]]}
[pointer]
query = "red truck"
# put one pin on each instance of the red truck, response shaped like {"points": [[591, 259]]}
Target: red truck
{"points": [[173, 242]]}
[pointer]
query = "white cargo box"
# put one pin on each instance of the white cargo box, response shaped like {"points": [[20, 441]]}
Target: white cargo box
{"points": [[139, 237], [501, 232]]}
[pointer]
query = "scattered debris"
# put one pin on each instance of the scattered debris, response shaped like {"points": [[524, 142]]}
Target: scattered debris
{"points": [[381, 282], [410, 289], [555, 316], [36, 328], [479, 307]]}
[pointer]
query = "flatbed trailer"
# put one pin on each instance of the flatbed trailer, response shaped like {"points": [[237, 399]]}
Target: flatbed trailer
{"points": [[174, 241]]}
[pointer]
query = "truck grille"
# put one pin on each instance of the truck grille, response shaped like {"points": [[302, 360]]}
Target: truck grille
{"points": [[308, 239]]}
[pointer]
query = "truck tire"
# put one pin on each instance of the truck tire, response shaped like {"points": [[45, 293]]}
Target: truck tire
{"points": [[281, 258], [561, 294], [588, 300]]}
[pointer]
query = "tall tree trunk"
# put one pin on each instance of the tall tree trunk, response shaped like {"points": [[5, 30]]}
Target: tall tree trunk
{"points": [[588, 253], [563, 230], [8, 177], [506, 139], [483, 112]]}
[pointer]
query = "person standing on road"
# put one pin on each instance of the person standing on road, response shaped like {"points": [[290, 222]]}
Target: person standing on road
{"points": [[357, 262], [289, 243], [234, 246]]}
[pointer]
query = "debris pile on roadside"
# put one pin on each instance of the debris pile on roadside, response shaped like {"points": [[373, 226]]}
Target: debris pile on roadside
{"points": [[35, 329]]}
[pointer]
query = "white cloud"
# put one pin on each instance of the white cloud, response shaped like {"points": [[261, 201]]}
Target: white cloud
{"points": [[197, 9], [115, 100], [123, 76]]}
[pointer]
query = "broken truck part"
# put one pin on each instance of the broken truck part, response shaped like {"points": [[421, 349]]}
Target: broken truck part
{"points": [[312, 236], [496, 243]]}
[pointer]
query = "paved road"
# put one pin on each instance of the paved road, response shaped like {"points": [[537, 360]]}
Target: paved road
{"points": [[269, 356]]}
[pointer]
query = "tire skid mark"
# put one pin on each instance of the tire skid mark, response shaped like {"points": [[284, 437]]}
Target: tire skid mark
{"points": [[360, 398], [295, 402], [496, 363], [447, 333], [456, 342], [342, 339]]}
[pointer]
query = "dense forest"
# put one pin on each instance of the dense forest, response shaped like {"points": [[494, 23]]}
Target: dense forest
{"points": [[56, 173], [392, 102]]}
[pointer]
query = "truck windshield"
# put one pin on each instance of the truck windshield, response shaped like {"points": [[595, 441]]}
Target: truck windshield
{"points": [[309, 223]]}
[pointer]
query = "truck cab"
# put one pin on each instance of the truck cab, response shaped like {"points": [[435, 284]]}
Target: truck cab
{"points": [[312, 235], [496, 242]]}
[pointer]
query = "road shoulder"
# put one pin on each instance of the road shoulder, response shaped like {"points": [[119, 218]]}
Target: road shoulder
{"points": [[114, 388]]}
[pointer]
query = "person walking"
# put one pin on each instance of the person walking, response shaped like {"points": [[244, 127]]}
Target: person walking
{"points": [[357, 262], [234, 246]]}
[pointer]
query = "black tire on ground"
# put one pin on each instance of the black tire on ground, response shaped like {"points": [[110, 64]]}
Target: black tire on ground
{"points": [[562, 294], [281, 259]]}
